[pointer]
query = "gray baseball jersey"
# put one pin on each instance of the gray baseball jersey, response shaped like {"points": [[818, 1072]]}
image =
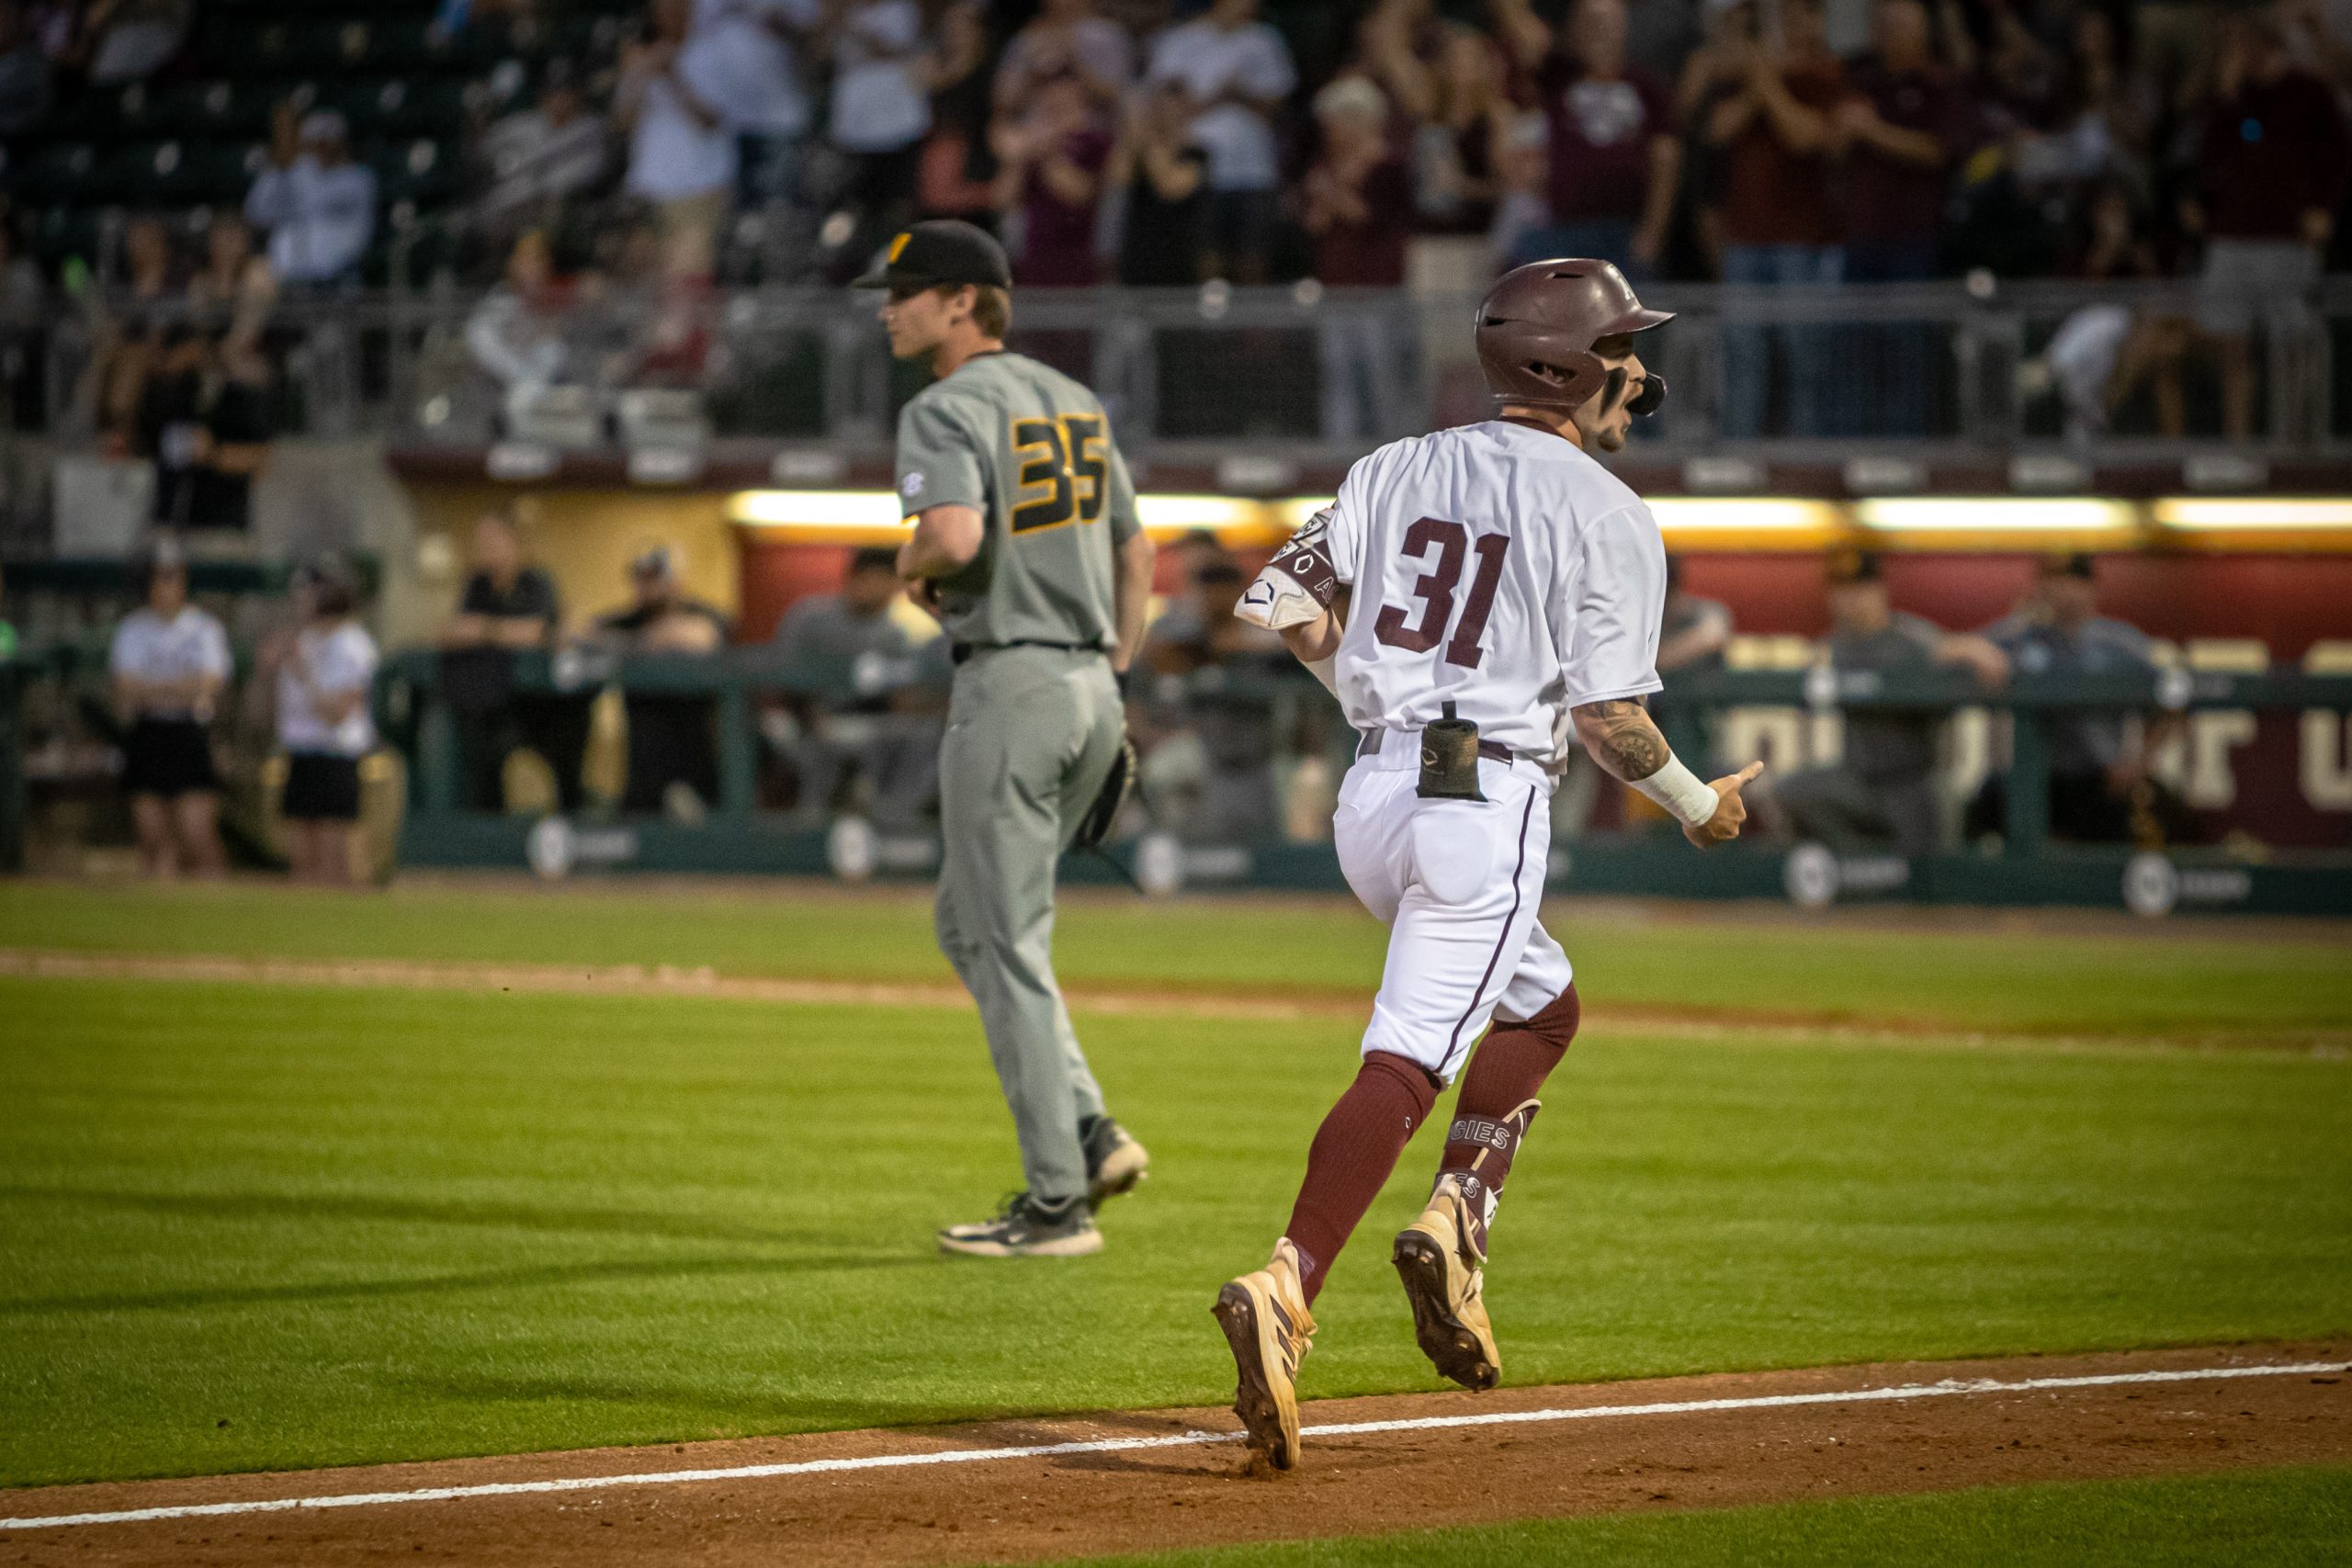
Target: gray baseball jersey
{"points": [[1032, 449]]}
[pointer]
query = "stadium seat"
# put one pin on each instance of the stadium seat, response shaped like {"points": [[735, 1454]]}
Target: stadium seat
{"points": [[403, 105], [63, 171]]}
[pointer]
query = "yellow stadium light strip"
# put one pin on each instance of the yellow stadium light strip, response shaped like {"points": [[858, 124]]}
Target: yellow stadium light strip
{"points": [[1181, 512], [1994, 515], [1744, 514], [2201, 513], [816, 508]]}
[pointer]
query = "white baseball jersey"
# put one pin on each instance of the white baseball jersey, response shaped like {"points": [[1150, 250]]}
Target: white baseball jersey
{"points": [[1499, 567]]}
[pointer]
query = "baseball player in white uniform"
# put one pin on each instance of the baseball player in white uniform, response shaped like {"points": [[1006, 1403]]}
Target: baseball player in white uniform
{"points": [[1473, 597]]}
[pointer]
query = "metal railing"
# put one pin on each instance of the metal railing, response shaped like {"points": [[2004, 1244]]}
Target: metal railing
{"points": [[1918, 368]]}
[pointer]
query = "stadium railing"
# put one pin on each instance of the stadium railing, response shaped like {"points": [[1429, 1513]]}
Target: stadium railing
{"points": [[2031, 868], [1956, 366]]}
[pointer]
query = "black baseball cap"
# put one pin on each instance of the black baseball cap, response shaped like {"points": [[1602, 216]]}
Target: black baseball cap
{"points": [[941, 251]]}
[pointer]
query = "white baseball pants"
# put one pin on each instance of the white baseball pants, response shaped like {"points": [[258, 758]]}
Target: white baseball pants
{"points": [[1458, 882]]}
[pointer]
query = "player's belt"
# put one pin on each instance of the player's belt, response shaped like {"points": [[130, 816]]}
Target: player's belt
{"points": [[964, 651], [1368, 744]]}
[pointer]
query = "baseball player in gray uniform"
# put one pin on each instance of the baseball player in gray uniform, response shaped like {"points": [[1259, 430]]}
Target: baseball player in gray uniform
{"points": [[1028, 546]]}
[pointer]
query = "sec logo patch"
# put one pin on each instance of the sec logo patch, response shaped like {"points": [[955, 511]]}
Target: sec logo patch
{"points": [[911, 486]]}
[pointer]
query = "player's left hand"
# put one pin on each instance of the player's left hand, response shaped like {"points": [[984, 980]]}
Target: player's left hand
{"points": [[1730, 810]]}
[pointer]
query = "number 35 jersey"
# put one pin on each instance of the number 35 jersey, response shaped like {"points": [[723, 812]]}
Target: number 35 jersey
{"points": [[1031, 450], [1499, 567]]}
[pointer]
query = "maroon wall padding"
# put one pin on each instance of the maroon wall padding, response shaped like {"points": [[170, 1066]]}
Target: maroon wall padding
{"points": [[2289, 601]]}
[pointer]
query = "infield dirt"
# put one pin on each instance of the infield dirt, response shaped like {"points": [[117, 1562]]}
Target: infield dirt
{"points": [[1029, 1509]]}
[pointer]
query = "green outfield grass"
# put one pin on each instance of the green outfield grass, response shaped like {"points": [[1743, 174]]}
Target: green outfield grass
{"points": [[2276, 1518], [260, 1226], [1989, 973]]}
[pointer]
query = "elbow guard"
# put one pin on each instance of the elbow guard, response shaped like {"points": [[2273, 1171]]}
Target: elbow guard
{"points": [[1298, 584]]}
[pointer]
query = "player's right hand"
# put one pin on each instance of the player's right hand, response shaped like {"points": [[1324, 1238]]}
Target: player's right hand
{"points": [[1730, 810]]}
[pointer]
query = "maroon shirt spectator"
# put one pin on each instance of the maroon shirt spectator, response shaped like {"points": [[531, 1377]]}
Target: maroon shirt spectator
{"points": [[1778, 193], [2274, 153], [1602, 125], [1053, 173], [1359, 193], [1906, 125]]}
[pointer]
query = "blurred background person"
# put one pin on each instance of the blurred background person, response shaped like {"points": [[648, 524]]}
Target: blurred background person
{"points": [[863, 709], [203, 421], [326, 670], [1067, 41], [884, 70], [509, 606], [1235, 71], [1882, 792], [317, 205], [2101, 787], [681, 154], [1217, 674], [1049, 182], [539, 158], [519, 333], [1359, 211], [672, 744], [1772, 125], [2271, 170], [170, 666], [1162, 173], [1613, 159]]}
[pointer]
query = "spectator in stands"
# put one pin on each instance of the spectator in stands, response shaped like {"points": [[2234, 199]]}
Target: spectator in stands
{"points": [[1067, 41], [517, 334], [681, 153], [1458, 145], [170, 666], [673, 750], [204, 420], [884, 70], [1236, 70], [2104, 352], [232, 292], [1218, 672], [130, 40], [318, 206], [1882, 790], [762, 90], [1901, 130], [2100, 789], [1693, 635], [325, 672], [7, 627], [1779, 227], [1614, 157], [862, 706], [24, 73], [1359, 210], [1164, 173], [1050, 167], [509, 606], [955, 171], [129, 324], [2271, 170], [541, 157]]}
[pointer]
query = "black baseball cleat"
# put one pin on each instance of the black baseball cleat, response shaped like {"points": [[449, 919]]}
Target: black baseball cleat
{"points": [[1116, 1163], [1026, 1228]]}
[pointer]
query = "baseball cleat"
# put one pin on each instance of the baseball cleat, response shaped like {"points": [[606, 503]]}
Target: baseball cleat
{"points": [[1444, 1276], [1265, 1319], [1026, 1228], [1116, 1163]]}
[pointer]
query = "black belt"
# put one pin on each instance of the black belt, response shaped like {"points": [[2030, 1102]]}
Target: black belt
{"points": [[964, 651], [1368, 743]]}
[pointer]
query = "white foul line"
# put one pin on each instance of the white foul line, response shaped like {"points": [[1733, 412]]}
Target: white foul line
{"points": [[1182, 1440]]}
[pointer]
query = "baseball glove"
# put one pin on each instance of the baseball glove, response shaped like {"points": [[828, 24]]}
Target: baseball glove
{"points": [[1117, 785]]}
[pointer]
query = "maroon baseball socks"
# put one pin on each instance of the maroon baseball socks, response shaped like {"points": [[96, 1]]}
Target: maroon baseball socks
{"points": [[1498, 1102], [1353, 1154]]}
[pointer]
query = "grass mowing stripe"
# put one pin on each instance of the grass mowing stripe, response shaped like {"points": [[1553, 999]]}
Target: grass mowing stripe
{"points": [[2281, 1519], [1948, 1389]]}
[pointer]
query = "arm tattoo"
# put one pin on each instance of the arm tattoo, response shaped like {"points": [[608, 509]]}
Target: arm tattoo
{"points": [[1621, 738]]}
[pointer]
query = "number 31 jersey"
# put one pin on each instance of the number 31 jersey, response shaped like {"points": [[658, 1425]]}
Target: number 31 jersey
{"points": [[1030, 449], [1499, 567]]}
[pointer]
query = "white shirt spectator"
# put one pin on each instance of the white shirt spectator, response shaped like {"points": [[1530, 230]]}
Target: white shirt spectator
{"points": [[673, 154], [760, 87], [1100, 44], [326, 664], [150, 649], [522, 347], [879, 105], [1209, 60], [320, 219]]}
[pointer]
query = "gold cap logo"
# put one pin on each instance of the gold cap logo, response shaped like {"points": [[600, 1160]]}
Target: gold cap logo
{"points": [[899, 244]]}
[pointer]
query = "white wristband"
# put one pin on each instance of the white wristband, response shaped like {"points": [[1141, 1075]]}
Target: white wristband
{"points": [[1681, 791]]}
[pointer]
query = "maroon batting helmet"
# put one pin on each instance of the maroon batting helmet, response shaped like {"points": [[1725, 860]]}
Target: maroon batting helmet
{"points": [[1537, 326]]}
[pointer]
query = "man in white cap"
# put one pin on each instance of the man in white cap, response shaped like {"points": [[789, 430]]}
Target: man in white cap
{"points": [[318, 206]]}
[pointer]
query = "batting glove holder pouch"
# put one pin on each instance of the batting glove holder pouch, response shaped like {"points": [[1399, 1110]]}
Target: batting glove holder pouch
{"points": [[1450, 760]]}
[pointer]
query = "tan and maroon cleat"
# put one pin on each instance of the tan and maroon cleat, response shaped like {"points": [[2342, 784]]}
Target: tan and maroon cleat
{"points": [[1443, 1269], [1264, 1317]]}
